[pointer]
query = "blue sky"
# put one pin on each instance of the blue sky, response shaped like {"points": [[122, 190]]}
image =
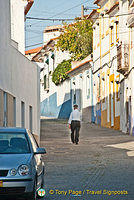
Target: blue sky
{"points": [[51, 9]]}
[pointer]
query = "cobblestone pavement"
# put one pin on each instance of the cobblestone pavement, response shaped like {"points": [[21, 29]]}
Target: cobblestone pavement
{"points": [[78, 171]]}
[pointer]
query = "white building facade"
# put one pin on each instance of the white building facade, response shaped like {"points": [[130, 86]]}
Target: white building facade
{"points": [[81, 87], [113, 51], [51, 32], [127, 70], [19, 78], [55, 100]]}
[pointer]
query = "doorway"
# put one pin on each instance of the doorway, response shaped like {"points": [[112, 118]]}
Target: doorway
{"points": [[112, 104]]}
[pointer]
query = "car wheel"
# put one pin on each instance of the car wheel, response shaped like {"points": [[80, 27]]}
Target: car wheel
{"points": [[42, 183]]}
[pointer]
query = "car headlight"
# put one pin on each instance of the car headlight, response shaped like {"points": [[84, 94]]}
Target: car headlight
{"points": [[13, 172], [23, 170]]}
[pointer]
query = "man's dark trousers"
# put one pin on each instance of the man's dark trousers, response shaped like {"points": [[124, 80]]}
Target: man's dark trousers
{"points": [[75, 128]]}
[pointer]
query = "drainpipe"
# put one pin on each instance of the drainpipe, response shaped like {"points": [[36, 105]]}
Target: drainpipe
{"points": [[28, 6]]}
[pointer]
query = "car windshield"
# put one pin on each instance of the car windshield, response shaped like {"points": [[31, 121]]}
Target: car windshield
{"points": [[13, 143]]}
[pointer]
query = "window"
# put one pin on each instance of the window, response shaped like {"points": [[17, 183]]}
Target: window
{"points": [[13, 143], [112, 35], [30, 118], [103, 25], [74, 102], [103, 88], [117, 30], [5, 109], [33, 141], [22, 114], [88, 86], [45, 80], [98, 89], [117, 92], [132, 37], [14, 108]]}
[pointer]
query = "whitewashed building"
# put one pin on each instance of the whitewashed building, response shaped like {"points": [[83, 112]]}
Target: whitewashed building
{"points": [[51, 32], [19, 77], [106, 78], [126, 65], [81, 87], [113, 86], [55, 100]]}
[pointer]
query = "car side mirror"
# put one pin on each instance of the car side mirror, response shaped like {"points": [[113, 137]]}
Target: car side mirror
{"points": [[40, 151]]}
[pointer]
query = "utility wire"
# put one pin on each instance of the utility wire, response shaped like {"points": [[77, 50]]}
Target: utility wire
{"points": [[51, 12], [67, 19], [48, 19], [119, 15], [68, 9], [97, 34]]}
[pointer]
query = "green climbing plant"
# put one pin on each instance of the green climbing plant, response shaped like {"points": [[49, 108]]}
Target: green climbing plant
{"points": [[59, 74], [77, 39]]}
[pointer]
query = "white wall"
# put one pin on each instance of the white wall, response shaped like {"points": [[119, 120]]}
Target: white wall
{"points": [[82, 84], [17, 23], [18, 76], [50, 35], [59, 57]]}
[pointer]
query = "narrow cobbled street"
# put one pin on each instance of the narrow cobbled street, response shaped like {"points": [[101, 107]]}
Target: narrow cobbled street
{"points": [[91, 170]]}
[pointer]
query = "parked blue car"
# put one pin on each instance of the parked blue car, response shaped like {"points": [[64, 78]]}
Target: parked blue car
{"points": [[21, 165]]}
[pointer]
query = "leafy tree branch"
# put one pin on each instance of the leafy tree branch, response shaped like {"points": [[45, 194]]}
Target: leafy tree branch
{"points": [[77, 39]]}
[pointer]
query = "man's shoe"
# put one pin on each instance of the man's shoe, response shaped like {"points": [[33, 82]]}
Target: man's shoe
{"points": [[76, 142]]}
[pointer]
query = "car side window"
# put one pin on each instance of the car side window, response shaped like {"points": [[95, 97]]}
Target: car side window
{"points": [[33, 141]]}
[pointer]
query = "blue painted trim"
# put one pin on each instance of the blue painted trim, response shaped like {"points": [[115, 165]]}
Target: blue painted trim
{"points": [[49, 107]]}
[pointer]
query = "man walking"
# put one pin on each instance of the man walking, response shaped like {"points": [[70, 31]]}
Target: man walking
{"points": [[74, 124]]}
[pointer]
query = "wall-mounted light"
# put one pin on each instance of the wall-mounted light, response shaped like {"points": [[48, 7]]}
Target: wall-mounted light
{"points": [[111, 26], [49, 49], [102, 14], [106, 9], [94, 27], [97, 23], [103, 78], [117, 80], [81, 76], [116, 21]]}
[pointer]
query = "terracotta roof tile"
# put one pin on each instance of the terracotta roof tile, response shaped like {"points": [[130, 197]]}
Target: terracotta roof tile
{"points": [[79, 66], [92, 13], [113, 7], [32, 51], [97, 1], [28, 6]]}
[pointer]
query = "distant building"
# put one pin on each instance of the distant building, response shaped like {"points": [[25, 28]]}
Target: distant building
{"points": [[55, 100], [52, 32], [32, 52], [81, 87], [106, 87], [113, 59], [18, 10], [19, 78]]}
